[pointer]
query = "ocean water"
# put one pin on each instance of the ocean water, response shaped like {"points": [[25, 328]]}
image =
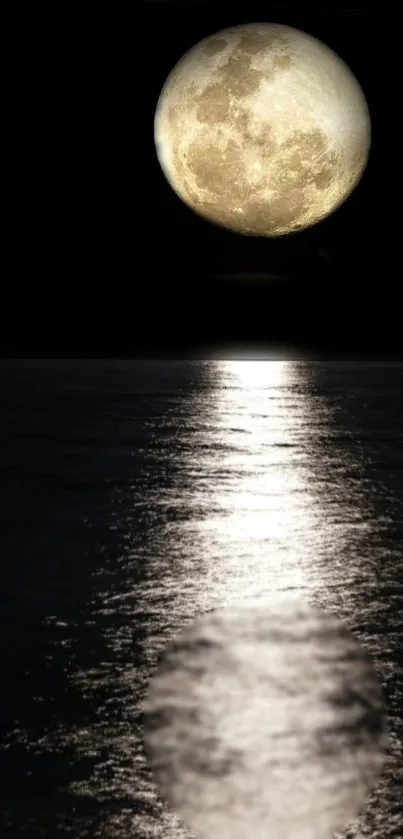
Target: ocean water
{"points": [[138, 495]]}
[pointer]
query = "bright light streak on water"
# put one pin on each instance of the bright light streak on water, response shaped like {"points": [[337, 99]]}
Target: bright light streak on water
{"points": [[140, 495]]}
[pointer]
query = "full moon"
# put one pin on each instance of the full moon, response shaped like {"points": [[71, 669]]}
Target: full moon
{"points": [[265, 721], [262, 129]]}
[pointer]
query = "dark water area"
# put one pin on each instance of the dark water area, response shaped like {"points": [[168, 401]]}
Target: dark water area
{"points": [[136, 495]]}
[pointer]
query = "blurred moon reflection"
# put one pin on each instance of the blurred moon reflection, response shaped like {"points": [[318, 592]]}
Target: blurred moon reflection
{"points": [[265, 721]]}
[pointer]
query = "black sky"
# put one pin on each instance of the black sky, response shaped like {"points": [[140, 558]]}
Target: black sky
{"points": [[105, 258]]}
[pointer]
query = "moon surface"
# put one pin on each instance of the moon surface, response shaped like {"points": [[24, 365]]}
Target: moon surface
{"points": [[262, 129], [265, 722]]}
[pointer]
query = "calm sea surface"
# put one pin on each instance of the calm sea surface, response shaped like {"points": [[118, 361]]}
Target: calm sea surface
{"points": [[137, 495]]}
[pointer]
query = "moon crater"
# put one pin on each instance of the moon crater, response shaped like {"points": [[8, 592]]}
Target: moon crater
{"points": [[262, 129]]}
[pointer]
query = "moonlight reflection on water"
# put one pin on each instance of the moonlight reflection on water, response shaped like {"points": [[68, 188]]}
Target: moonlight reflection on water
{"points": [[260, 485], [265, 721], [148, 493]]}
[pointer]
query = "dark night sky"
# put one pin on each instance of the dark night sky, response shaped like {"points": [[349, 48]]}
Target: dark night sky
{"points": [[105, 257]]}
